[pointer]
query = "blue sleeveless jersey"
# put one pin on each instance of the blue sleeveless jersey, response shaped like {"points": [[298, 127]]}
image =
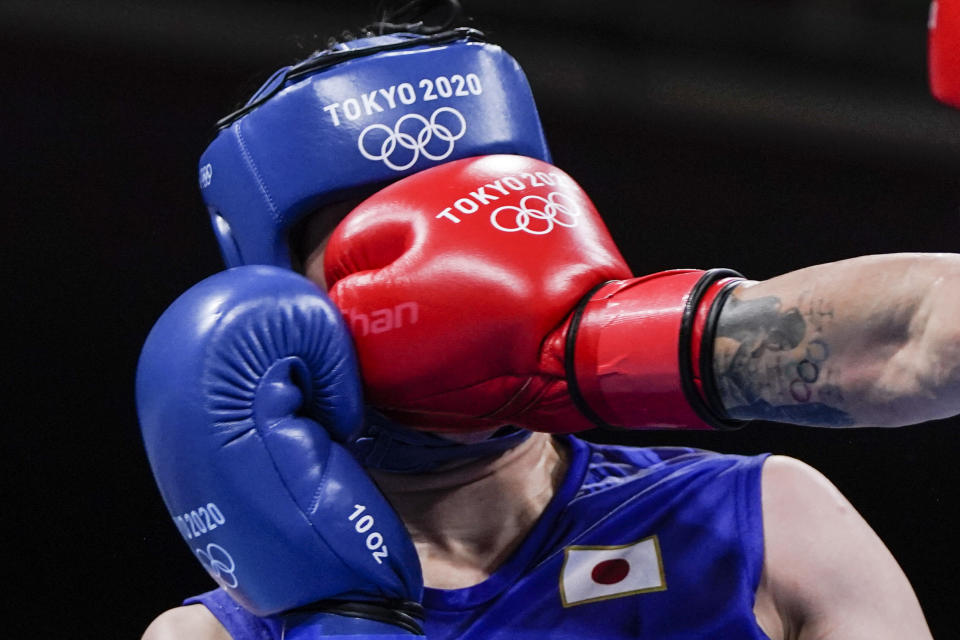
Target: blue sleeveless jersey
{"points": [[659, 543]]}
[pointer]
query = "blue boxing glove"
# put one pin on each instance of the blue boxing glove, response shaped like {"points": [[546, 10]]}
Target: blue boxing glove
{"points": [[247, 387]]}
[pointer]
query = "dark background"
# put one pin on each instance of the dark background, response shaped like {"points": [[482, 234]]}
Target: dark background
{"points": [[757, 135]]}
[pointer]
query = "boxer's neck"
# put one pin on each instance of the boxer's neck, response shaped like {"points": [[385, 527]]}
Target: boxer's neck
{"points": [[466, 521]]}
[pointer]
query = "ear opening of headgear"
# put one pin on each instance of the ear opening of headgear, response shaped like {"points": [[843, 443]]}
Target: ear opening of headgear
{"points": [[362, 114]]}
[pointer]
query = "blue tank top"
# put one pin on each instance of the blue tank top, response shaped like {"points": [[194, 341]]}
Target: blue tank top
{"points": [[660, 543]]}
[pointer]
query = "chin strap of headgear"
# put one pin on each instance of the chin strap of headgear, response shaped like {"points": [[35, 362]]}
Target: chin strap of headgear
{"points": [[387, 446]]}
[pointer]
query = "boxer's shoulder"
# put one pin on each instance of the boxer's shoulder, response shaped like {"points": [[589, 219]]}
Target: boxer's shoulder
{"points": [[824, 567], [190, 621]]}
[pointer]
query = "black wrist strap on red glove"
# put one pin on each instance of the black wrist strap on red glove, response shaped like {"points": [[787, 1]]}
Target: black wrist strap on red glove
{"points": [[705, 399], [569, 349]]}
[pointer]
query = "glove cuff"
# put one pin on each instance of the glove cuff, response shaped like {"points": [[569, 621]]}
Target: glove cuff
{"points": [[639, 352], [697, 333]]}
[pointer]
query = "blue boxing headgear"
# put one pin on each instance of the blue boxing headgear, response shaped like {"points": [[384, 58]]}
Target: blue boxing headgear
{"points": [[348, 120], [344, 123]]}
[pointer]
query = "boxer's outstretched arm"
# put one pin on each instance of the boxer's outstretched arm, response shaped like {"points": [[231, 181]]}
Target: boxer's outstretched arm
{"points": [[870, 341]]}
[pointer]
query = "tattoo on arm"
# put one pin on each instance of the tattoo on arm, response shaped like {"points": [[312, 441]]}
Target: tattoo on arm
{"points": [[774, 364]]}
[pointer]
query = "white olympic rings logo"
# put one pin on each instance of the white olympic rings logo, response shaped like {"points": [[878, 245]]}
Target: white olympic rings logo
{"points": [[555, 209], [416, 142], [219, 565]]}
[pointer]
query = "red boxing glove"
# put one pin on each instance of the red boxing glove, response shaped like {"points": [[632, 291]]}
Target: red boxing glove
{"points": [[944, 51], [487, 291]]}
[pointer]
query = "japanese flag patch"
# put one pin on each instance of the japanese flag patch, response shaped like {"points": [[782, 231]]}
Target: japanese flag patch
{"points": [[592, 573]]}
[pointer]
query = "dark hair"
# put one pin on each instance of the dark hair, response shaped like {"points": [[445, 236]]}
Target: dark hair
{"points": [[425, 17]]}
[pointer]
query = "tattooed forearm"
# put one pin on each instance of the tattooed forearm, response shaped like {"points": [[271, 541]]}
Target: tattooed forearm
{"points": [[773, 364]]}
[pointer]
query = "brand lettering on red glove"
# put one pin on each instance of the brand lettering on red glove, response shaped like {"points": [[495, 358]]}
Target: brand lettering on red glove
{"points": [[382, 320]]}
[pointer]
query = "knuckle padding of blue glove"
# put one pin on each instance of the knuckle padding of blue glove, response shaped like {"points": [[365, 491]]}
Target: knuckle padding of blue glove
{"points": [[244, 387]]}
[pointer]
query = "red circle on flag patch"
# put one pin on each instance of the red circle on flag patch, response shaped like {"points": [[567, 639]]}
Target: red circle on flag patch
{"points": [[610, 571]]}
